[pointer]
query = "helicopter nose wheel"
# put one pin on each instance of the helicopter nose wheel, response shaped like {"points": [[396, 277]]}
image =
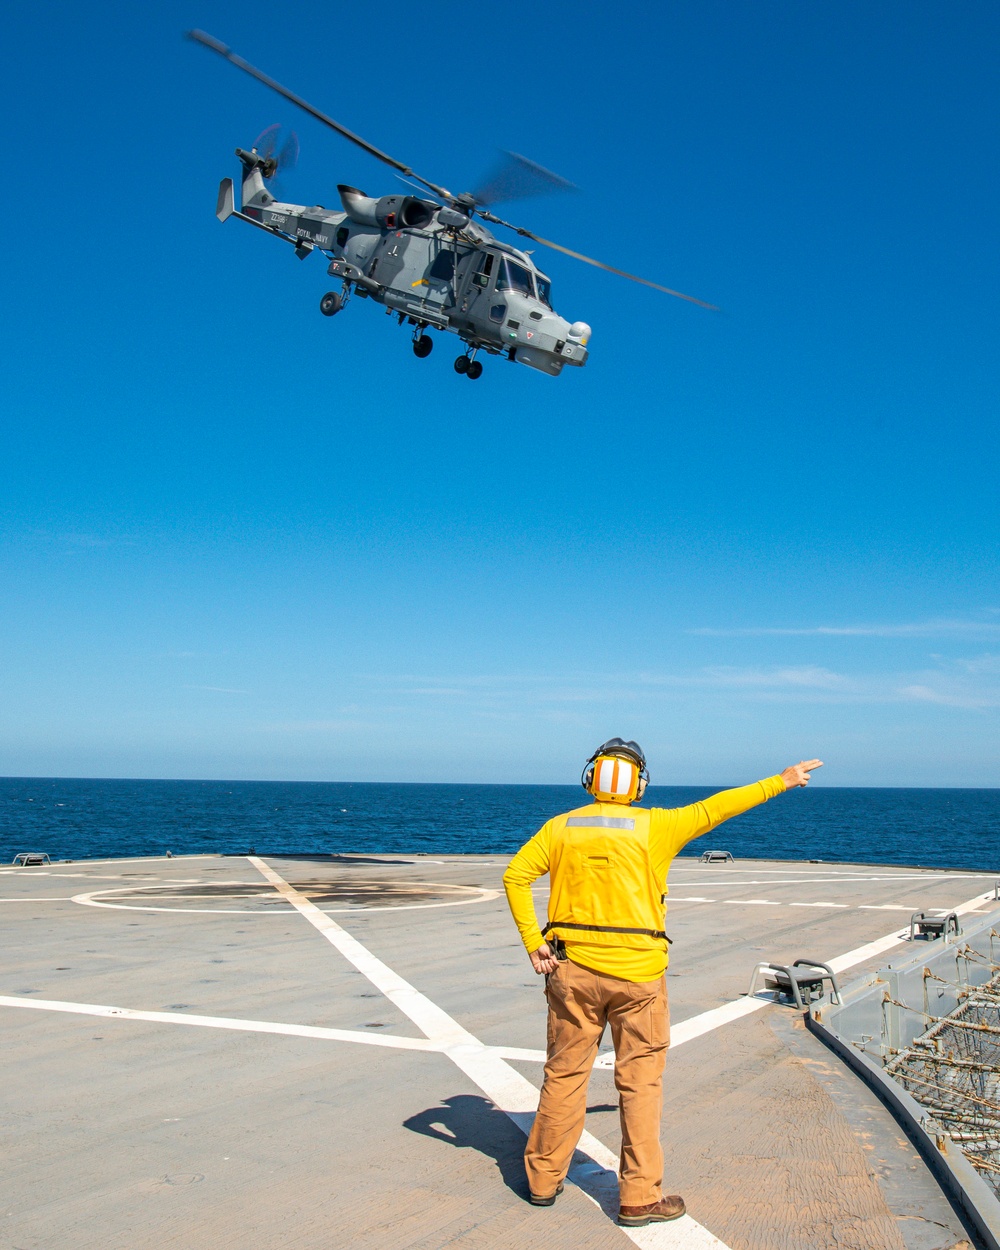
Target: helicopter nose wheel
{"points": [[475, 370], [423, 346], [462, 364], [331, 303]]}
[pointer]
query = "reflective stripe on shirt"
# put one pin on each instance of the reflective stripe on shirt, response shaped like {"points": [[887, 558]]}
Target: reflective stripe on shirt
{"points": [[600, 822]]}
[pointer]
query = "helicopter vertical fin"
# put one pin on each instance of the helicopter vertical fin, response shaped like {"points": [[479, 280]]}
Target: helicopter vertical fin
{"points": [[254, 192], [226, 205]]}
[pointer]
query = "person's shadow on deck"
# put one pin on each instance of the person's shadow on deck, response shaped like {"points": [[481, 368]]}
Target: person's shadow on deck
{"points": [[471, 1122]]}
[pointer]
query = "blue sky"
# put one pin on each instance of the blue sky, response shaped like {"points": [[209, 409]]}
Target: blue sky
{"points": [[241, 540]]}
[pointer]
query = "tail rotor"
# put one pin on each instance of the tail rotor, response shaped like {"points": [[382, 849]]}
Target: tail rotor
{"points": [[278, 149]]}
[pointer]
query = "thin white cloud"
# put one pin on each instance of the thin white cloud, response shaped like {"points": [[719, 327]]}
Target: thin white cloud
{"points": [[218, 689], [807, 676], [943, 628], [433, 691], [969, 682]]}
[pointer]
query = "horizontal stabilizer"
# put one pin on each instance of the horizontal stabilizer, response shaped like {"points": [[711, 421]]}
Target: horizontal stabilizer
{"points": [[227, 202]]}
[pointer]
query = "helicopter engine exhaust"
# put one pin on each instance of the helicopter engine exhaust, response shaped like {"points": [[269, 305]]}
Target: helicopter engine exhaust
{"points": [[389, 212]]}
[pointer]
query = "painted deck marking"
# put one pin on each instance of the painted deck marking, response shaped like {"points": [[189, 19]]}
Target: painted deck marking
{"points": [[594, 1168], [98, 898], [393, 1040], [731, 880], [684, 1031], [707, 1021]]}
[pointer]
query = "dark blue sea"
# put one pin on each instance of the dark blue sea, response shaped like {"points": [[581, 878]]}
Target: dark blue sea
{"points": [[74, 818]]}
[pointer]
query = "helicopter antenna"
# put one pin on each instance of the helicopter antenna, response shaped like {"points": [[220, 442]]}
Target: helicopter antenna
{"points": [[207, 41]]}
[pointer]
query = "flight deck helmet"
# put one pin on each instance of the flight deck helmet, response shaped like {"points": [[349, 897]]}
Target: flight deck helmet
{"points": [[616, 772]]}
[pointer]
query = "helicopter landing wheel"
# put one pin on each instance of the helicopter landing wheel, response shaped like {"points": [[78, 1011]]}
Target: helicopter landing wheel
{"points": [[331, 303], [423, 346], [475, 370], [462, 364]]}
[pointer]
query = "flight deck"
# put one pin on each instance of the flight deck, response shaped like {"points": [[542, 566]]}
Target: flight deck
{"points": [[344, 1052]]}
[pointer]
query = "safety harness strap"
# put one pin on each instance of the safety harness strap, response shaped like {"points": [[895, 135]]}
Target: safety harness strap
{"points": [[603, 928]]}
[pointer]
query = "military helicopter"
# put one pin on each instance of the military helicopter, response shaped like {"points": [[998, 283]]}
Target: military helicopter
{"points": [[426, 260]]}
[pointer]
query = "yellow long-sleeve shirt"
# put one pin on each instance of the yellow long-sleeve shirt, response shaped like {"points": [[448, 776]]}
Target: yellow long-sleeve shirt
{"points": [[670, 830]]}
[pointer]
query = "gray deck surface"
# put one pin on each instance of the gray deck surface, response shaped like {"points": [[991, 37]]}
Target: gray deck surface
{"points": [[133, 1134]]}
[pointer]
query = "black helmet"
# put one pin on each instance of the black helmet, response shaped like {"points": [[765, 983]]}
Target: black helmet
{"points": [[616, 746]]}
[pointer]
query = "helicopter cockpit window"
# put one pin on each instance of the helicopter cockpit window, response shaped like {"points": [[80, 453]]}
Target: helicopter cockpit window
{"points": [[544, 290], [484, 268], [513, 277]]}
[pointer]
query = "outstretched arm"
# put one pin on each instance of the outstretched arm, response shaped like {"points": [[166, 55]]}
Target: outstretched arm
{"points": [[676, 827]]}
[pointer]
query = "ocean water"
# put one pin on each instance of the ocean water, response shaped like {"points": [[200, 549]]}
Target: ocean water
{"points": [[73, 818]]}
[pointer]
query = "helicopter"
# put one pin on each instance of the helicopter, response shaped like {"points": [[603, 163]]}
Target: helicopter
{"points": [[428, 261]]}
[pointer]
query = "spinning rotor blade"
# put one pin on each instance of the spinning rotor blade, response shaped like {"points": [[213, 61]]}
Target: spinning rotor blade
{"points": [[207, 41], [288, 157], [598, 264], [517, 178], [267, 142]]}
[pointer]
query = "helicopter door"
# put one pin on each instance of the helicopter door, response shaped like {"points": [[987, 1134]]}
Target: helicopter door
{"points": [[479, 287]]}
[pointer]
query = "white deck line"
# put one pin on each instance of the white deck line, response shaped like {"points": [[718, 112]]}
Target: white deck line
{"points": [[392, 1040], [594, 1167], [124, 859], [98, 898], [707, 1021], [730, 880], [484, 1064], [684, 1031]]}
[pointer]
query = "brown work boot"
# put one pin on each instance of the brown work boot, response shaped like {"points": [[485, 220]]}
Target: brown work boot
{"points": [[669, 1208], [537, 1201]]}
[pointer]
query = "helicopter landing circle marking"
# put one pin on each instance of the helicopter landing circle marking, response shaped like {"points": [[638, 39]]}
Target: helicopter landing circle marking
{"points": [[277, 906]]}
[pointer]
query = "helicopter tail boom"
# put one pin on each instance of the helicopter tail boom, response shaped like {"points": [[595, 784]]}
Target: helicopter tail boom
{"points": [[226, 207]]}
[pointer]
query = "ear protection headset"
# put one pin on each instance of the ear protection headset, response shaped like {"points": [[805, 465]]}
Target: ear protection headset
{"points": [[616, 772]]}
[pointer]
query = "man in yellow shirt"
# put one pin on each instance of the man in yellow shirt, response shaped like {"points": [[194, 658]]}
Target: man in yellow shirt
{"points": [[605, 961]]}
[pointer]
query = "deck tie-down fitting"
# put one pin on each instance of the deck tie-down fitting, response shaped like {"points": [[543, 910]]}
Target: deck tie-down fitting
{"points": [[804, 977], [922, 925], [718, 857]]}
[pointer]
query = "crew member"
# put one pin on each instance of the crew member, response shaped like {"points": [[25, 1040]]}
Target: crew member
{"points": [[604, 956]]}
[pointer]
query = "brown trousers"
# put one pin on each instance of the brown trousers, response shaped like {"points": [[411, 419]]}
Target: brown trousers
{"points": [[581, 1003]]}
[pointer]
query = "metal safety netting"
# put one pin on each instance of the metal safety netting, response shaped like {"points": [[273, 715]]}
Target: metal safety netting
{"points": [[953, 1068]]}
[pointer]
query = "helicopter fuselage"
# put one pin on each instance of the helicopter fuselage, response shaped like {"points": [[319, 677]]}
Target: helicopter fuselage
{"points": [[431, 265]]}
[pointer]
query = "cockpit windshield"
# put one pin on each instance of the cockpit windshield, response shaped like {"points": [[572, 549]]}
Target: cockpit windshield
{"points": [[544, 290], [514, 277]]}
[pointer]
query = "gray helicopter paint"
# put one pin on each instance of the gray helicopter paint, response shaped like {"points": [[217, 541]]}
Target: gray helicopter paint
{"points": [[431, 275]]}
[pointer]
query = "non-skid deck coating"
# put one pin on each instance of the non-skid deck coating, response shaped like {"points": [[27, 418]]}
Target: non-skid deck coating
{"points": [[344, 1052]]}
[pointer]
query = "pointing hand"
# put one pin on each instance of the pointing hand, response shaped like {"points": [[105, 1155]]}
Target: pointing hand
{"points": [[798, 774]]}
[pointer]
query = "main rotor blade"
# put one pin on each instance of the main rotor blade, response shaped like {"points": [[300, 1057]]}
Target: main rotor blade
{"points": [[598, 264], [207, 41], [517, 178]]}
